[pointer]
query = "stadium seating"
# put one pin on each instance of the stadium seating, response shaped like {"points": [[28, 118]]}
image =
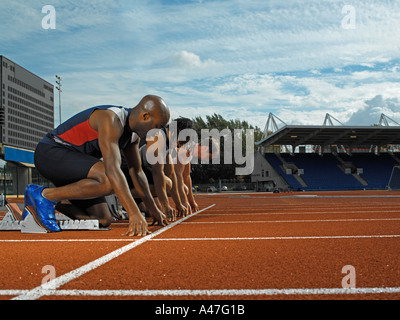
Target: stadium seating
{"points": [[376, 168], [327, 172], [277, 165]]}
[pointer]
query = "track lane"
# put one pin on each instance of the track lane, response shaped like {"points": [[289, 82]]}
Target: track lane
{"points": [[305, 265], [41, 290]]}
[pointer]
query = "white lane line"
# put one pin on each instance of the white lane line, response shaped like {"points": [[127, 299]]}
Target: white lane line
{"points": [[296, 208], [12, 292], [285, 212], [292, 221], [239, 292], [208, 222], [196, 222], [218, 292], [66, 240], [279, 238], [42, 290]]}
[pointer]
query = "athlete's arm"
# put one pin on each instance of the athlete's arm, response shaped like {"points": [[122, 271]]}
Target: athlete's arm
{"points": [[110, 129], [188, 182], [174, 193], [155, 148], [160, 187], [132, 156], [179, 169]]}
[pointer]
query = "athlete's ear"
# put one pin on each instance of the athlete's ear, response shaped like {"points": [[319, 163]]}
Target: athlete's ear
{"points": [[146, 116]]}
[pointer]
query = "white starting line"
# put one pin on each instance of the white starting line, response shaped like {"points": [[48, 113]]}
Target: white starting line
{"points": [[41, 290], [51, 288], [295, 212], [292, 221], [280, 238]]}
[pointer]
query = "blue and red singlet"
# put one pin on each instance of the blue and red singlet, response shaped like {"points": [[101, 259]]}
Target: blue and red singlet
{"points": [[77, 134]]}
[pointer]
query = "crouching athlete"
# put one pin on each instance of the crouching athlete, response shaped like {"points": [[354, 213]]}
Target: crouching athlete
{"points": [[70, 157]]}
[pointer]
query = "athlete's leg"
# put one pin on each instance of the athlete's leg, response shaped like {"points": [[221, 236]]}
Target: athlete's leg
{"points": [[84, 210], [79, 178], [95, 185]]}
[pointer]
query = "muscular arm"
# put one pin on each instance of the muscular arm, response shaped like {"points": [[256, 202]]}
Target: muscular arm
{"points": [[132, 156], [174, 193], [158, 146], [188, 182], [110, 129], [179, 169]]}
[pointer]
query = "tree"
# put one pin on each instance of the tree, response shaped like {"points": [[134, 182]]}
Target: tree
{"points": [[201, 173]]}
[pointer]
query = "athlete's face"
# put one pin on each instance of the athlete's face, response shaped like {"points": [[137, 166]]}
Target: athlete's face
{"points": [[148, 122], [203, 153]]}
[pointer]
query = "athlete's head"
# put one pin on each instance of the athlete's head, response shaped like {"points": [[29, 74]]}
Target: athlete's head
{"points": [[151, 113], [176, 127], [208, 149]]}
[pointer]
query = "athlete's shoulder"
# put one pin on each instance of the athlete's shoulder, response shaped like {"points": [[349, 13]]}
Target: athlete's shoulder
{"points": [[119, 111]]}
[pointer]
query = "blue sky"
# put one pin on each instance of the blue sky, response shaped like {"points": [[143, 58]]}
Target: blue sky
{"points": [[241, 59]]}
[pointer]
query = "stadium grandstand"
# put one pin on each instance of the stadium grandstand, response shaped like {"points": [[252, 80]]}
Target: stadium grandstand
{"points": [[328, 157]]}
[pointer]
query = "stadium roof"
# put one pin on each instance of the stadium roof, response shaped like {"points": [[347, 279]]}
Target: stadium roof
{"points": [[296, 135]]}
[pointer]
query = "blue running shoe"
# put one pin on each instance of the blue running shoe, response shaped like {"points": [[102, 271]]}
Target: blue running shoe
{"points": [[43, 210], [28, 203]]}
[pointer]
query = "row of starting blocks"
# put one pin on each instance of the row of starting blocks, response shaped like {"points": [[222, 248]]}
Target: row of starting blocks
{"points": [[13, 221]]}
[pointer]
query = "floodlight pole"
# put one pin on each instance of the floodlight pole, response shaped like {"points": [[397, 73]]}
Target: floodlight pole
{"points": [[59, 94]]}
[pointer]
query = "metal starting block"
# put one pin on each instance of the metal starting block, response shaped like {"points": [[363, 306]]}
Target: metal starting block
{"points": [[79, 225], [29, 225], [9, 223], [12, 221], [13, 218]]}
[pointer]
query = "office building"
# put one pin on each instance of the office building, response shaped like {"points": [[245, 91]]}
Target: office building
{"points": [[27, 106], [26, 115]]}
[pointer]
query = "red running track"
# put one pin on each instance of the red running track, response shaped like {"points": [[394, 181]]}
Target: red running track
{"points": [[246, 246]]}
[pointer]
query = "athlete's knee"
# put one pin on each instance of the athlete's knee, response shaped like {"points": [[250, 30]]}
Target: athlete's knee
{"points": [[102, 213], [98, 173], [106, 185], [168, 183], [105, 222]]}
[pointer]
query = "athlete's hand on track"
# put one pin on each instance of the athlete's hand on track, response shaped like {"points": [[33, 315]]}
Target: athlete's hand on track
{"points": [[189, 209], [182, 210], [194, 206], [159, 217], [171, 214], [137, 226]]}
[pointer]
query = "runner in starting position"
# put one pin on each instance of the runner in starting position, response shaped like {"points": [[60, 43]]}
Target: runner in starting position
{"points": [[70, 157]]}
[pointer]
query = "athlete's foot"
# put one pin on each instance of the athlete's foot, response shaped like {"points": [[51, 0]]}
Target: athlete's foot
{"points": [[43, 210]]}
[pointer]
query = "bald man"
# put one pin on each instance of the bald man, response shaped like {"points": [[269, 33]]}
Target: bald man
{"points": [[70, 157]]}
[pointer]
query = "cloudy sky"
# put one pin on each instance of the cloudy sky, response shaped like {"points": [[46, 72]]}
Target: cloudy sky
{"points": [[298, 59]]}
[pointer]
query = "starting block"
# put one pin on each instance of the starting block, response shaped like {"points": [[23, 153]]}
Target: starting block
{"points": [[12, 221], [13, 218], [29, 225], [9, 223]]}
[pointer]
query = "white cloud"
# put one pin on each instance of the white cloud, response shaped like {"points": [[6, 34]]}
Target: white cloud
{"points": [[371, 111], [191, 60], [242, 59]]}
